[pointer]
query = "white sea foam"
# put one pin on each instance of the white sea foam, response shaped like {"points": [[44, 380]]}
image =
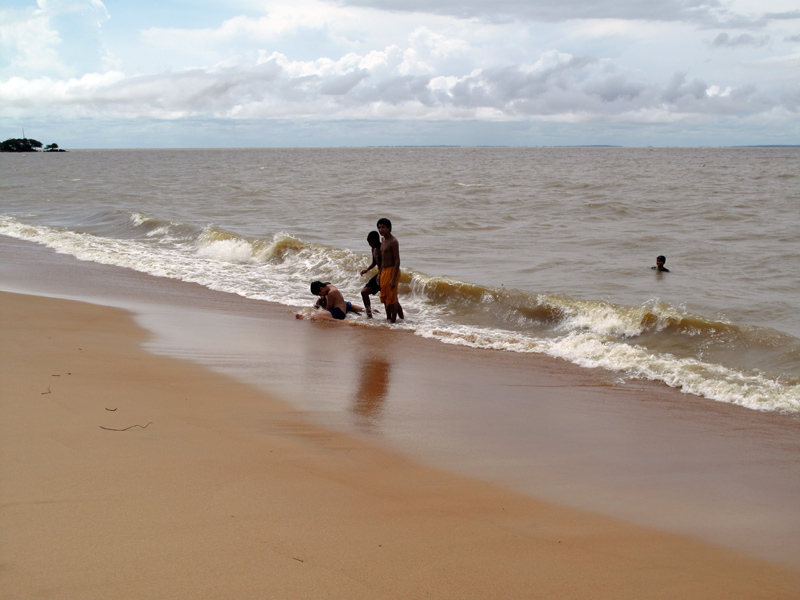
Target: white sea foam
{"points": [[591, 351], [231, 251], [138, 219], [690, 375], [600, 318]]}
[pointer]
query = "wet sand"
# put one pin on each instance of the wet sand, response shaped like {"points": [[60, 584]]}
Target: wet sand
{"points": [[231, 491], [130, 475]]}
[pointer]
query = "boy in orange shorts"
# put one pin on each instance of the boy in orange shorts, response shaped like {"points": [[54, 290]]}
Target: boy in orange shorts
{"points": [[390, 271]]}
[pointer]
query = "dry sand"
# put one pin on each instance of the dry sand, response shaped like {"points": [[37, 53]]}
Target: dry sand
{"points": [[126, 475]]}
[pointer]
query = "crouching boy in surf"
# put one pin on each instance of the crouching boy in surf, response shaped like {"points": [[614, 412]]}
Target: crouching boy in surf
{"points": [[389, 271], [332, 301]]}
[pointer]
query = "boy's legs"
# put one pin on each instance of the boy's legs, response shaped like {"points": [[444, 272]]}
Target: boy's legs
{"points": [[354, 308], [372, 287], [365, 297], [388, 294]]}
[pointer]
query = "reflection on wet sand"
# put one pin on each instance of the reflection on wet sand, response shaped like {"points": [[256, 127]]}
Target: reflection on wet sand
{"points": [[369, 399]]}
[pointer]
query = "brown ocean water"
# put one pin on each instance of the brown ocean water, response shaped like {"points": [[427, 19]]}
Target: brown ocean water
{"points": [[543, 250]]}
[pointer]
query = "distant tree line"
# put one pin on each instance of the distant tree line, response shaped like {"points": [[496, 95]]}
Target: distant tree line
{"points": [[26, 145]]}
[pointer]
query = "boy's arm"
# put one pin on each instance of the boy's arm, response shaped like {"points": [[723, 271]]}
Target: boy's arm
{"points": [[376, 261], [372, 264], [395, 248]]}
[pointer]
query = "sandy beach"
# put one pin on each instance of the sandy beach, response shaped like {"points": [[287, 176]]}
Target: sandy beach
{"points": [[131, 475], [127, 475]]}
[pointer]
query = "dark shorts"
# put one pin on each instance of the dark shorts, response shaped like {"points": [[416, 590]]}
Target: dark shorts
{"points": [[336, 313], [373, 286]]}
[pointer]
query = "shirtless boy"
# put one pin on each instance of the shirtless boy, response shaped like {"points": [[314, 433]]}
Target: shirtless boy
{"points": [[332, 301], [390, 271], [373, 286], [660, 260]]}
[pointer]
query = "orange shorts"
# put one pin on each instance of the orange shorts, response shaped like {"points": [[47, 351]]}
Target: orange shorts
{"points": [[388, 295]]}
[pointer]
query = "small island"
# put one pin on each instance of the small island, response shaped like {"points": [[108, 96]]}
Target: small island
{"points": [[27, 145]]}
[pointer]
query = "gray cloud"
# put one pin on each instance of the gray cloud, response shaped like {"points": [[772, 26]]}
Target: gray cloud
{"points": [[792, 38], [782, 16], [705, 13], [723, 40], [341, 85], [561, 88], [791, 99]]}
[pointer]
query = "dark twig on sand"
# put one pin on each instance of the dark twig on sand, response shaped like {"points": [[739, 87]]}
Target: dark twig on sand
{"points": [[111, 409], [126, 429], [47, 392]]}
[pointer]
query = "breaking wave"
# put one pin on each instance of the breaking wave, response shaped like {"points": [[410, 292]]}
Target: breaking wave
{"points": [[725, 361]]}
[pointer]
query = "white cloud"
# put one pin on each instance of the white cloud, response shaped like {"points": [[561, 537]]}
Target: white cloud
{"points": [[622, 62], [789, 63], [556, 86], [28, 42], [705, 13], [631, 29], [50, 38]]}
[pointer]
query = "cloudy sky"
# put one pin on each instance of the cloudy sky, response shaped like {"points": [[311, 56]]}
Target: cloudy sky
{"points": [[231, 73]]}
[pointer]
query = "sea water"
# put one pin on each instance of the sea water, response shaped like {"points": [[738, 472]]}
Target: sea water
{"points": [[536, 250]]}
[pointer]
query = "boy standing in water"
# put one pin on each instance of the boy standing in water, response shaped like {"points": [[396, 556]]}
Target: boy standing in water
{"points": [[390, 271], [373, 286]]}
